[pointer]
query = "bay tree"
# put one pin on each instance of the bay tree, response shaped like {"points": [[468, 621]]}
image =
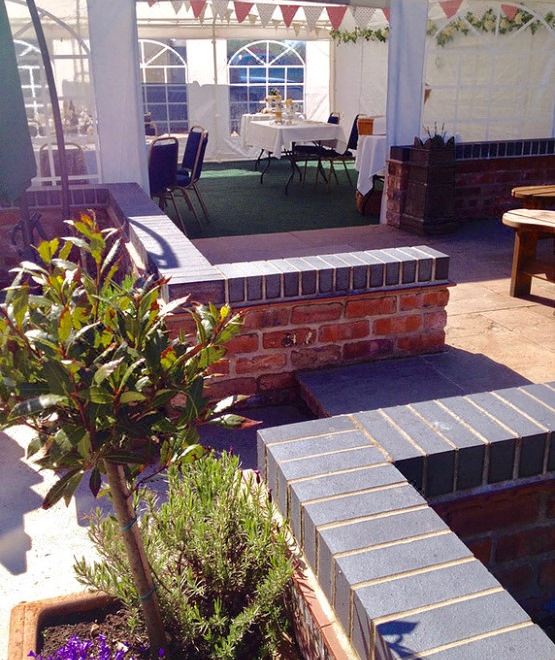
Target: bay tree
{"points": [[87, 362]]}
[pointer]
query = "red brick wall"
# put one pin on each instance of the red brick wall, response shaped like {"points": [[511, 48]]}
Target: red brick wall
{"points": [[512, 531], [279, 339], [483, 186]]}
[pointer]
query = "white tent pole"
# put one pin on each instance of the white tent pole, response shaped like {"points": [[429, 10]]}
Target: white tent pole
{"points": [[115, 73]]}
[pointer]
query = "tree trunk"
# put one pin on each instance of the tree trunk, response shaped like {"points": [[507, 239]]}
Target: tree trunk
{"points": [[123, 508]]}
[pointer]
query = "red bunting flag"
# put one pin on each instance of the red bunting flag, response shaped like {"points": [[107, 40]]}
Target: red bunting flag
{"points": [[450, 7], [386, 13], [242, 10], [152, 2], [510, 11], [197, 6], [336, 15], [288, 12]]}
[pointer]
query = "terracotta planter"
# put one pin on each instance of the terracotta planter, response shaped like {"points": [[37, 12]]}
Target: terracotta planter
{"points": [[27, 619]]}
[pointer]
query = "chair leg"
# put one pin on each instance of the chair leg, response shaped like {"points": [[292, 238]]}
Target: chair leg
{"points": [[347, 173], [201, 201], [178, 214]]}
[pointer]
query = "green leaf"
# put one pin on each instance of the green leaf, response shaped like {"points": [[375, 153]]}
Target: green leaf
{"points": [[111, 255], [229, 401], [99, 395], [174, 304], [129, 371], [106, 370], [36, 405], [78, 242], [65, 325], [57, 377], [34, 446], [131, 397], [122, 457], [47, 249], [234, 422], [95, 481], [84, 446], [58, 489]]}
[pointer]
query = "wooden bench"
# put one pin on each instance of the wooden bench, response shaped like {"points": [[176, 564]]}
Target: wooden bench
{"points": [[535, 197], [530, 225]]}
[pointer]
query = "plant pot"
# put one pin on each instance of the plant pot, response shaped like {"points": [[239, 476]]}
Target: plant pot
{"points": [[28, 618]]}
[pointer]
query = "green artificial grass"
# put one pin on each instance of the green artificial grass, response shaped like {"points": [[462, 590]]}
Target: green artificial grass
{"points": [[238, 204]]}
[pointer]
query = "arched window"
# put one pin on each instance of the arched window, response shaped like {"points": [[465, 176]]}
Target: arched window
{"points": [[164, 83], [257, 67], [30, 73]]}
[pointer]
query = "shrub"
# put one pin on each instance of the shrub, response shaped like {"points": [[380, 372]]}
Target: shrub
{"points": [[220, 560]]}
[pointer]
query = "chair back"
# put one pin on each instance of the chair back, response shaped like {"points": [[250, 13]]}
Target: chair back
{"points": [[75, 161], [191, 147], [201, 140], [333, 118], [353, 137], [162, 164]]}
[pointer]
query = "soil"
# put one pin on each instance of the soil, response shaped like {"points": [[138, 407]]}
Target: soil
{"points": [[112, 623]]}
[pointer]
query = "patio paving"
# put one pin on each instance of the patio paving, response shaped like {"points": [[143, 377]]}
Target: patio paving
{"points": [[494, 341]]}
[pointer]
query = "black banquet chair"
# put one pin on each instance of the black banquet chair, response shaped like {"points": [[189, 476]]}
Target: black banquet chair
{"points": [[162, 173], [189, 173], [313, 151], [332, 156]]}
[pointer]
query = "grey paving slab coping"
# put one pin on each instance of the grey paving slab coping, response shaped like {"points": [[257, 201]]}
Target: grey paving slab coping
{"points": [[383, 558]]}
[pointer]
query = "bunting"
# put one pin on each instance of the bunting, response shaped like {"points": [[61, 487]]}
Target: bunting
{"points": [[177, 4], [197, 6], [312, 14], [219, 8], [265, 12], [288, 12], [362, 15], [450, 7], [510, 11], [242, 10], [386, 13], [336, 15]]}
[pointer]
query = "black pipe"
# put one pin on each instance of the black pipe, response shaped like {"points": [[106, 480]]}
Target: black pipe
{"points": [[56, 114]]}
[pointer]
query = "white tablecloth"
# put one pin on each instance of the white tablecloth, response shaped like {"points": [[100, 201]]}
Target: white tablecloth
{"points": [[370, 159], [246, 122], [275, 138]]}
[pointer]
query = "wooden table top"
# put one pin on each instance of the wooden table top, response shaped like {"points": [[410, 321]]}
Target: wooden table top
{"points": [[543, 220], [534, 191]]}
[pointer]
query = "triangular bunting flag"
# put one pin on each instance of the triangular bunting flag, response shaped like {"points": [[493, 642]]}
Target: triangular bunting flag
{"points": [[219, 8], [252, 19], [312, 14], [288, 12], [386, 13], [336, 15], [265, 12], [297, 28], [362, 15], [242, 10], [152, 2], [197, 7], [450, 7], [276, 22], [177, 4], [510, 11], [187, 5]]}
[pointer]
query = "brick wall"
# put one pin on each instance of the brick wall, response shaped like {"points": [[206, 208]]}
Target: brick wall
{"points": [[482, 185], [512, 531], [281, 338]]}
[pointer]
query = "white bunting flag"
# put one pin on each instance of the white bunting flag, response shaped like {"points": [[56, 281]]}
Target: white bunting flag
{"points": [[312, 14], [219, 8], [362, 15], [265, 12], [177, 4]]}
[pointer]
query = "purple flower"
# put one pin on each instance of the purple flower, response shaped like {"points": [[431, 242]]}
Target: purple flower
{"points": [[86, 649]]}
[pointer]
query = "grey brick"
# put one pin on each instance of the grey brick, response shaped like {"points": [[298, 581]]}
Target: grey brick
{"points": [[376, 267], [407, 458], [254, 287], [392, 266], [325, 273], [441, 261], [308, 282], [319, 444], [306, 429], [529, 643], [533, 436], [501, 442], [337, 484], [342, 278], [452, 623], [530, 406], [382, 562], [542, 392], [272, 286], [412, 592], [471, 450], [261, 456], [368, 533], [440, 455], [290, 284], [360, 270]]}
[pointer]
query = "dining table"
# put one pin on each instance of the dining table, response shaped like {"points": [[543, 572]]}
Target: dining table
{"points": [[278, 139], [370, 160]]}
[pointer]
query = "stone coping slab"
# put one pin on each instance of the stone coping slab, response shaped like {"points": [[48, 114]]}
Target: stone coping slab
{"points": [[163, 248], [355, 490]]}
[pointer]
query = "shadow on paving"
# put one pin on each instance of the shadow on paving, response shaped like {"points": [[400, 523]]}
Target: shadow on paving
{"points": [[402, 381]]}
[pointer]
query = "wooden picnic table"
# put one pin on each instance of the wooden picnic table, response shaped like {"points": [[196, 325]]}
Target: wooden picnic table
{"points": [[535, 197], [530, 225]]}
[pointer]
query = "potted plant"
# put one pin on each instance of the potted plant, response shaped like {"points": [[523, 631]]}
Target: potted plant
{"points": [[86, 363], [430, 198]]}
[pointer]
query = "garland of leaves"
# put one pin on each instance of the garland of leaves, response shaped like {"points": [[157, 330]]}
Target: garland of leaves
{"points": [[486, 23]]}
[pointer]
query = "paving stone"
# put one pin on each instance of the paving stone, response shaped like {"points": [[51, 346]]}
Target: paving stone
{"points": [[534, 437], [406, 457], [501, 442], [370, 533], [356, 505], [443, 625], [337, 484], [440, 456], [392, 560], [471, 450], [529, 643], [412, 592]]}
